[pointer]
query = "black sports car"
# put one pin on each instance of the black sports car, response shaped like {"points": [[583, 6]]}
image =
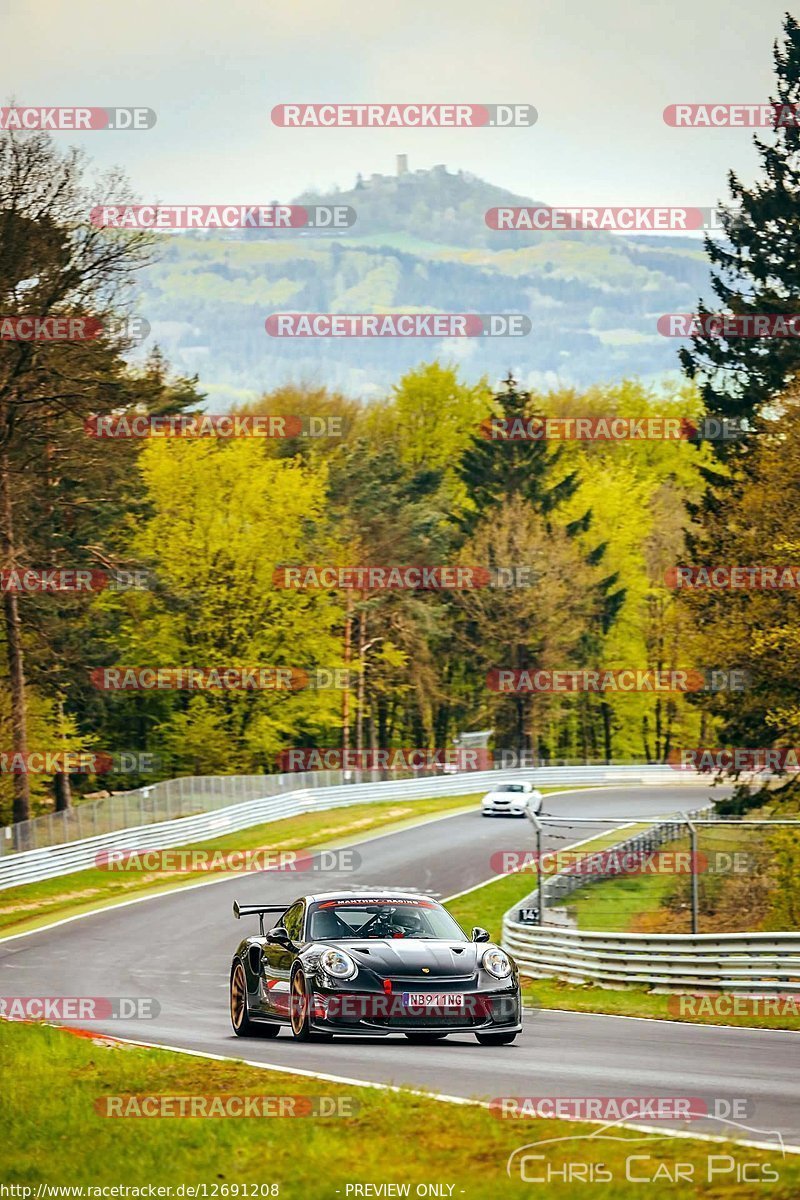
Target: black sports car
{"points": [[371, 963]]}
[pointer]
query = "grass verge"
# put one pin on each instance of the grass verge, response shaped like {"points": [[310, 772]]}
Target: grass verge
{"points": [[639, 1002], [615, 905], [739, 888], [486, 905], [53, 1134]]}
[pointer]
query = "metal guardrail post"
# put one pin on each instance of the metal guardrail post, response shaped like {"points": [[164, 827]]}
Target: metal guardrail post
{"points": [[533, 818], [693, 861]]}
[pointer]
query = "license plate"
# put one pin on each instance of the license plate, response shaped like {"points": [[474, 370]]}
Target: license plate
{"points": [[433, 999]]}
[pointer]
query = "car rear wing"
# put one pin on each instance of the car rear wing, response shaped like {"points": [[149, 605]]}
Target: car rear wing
{"points": [[257, 910]]}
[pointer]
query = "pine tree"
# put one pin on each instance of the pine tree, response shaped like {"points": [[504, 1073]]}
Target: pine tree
{"points": [[756, 268], [512, 465], [514, 472]]}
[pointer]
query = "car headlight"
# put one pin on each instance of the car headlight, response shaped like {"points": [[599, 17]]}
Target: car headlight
{"points": [[337, 964], [496, 963]]}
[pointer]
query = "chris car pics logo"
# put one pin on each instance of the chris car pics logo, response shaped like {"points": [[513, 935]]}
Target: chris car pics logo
{"points": [[637, 1158]]}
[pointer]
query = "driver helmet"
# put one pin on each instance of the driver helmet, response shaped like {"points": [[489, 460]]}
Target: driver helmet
{"points": [[407, 924]]}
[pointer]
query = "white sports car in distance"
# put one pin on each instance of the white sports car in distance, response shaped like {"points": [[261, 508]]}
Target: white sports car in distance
{"points": [[511, 800]]}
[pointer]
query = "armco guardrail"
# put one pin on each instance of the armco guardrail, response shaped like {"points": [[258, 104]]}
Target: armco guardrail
{"points": [[296, 797], [166, 800], [184, 797], [747, 962]]}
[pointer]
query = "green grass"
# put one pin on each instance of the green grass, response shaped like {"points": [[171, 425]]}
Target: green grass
{"points": [[486, 905], [635, 1002], [33, 904], [53, 1133], [614, 904]]}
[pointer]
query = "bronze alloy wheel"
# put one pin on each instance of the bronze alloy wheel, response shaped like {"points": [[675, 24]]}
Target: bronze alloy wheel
{"points": [[238, 998], [300, 1013], [298, 1006]]}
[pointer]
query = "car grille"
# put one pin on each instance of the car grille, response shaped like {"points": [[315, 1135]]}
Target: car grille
{"points": [[433, 983], [438, 1020]]}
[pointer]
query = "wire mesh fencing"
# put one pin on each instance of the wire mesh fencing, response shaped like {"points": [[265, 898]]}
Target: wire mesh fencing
{"points": [[692, 873]]}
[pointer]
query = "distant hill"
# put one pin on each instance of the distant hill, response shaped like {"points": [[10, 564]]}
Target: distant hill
{"points": [[434, 205], [420, 242]]}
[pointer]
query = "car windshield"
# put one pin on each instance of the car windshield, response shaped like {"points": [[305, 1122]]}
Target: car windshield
{"points": [[341, 919], [510, 787]]}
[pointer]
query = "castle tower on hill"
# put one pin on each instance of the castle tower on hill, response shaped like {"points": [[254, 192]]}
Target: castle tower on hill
{"points": [[402, 164]]}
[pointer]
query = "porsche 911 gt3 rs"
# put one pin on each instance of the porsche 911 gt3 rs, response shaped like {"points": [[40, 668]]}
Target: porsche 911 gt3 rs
{"points": [[372, 964]]}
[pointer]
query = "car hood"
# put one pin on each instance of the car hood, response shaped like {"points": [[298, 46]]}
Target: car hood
{"points": [[407, 956], [508, 796]]}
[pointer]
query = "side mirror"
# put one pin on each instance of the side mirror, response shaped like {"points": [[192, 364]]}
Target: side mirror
{"points": [[279, 936], [481, 935]]}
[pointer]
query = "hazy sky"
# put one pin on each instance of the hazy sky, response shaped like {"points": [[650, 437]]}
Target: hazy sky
{"points": [[599, 72]]}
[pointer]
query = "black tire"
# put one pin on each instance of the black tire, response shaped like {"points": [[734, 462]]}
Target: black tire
{"points": [[243, 1026], [495, 1039], [300, 1012], [423, 1037]]}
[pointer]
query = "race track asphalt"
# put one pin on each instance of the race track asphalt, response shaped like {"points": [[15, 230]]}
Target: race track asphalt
{"points": [[177, 949]]}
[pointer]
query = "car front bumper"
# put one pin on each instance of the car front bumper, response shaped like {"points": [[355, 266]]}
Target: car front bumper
{"points": [[372, 1013]]}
